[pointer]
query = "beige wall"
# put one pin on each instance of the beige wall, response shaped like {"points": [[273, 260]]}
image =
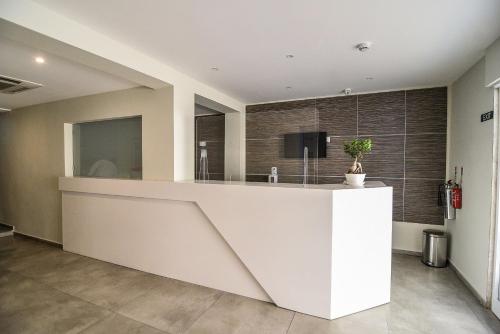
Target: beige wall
{"points": [[471, 146], [32, 151]]}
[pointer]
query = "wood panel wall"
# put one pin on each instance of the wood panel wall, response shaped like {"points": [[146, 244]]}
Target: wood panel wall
{"points": [[408, 130], [211, 128]]}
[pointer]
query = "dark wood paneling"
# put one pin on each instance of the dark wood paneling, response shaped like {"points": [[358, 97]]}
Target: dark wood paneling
{"points": [[426, 110], [281, 106], [210, 128], [262, 154], [216, 176], [338, 115], [276, 123], [312, 179], [330, 179], [337, 162], [421, 202], [386, 158], [215, 152], [408, 130], [426, 156], [256, 178], [381, 113]]}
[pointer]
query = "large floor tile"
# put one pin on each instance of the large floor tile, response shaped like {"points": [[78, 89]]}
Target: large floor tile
{"points": [[45, 290], [172, 306], [116, 323], [101, 283], [41, 262], [373, 321], [236, 314], [30, 307], [14, 250]]}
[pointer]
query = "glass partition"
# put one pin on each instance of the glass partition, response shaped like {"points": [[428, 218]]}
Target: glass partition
{"points": [[108, 149]]}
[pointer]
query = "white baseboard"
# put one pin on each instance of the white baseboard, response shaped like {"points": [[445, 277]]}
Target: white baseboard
{"points": [[407, 237]]}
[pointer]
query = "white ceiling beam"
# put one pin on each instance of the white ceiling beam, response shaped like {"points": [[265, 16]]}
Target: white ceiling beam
{"points": [[67, 38]]}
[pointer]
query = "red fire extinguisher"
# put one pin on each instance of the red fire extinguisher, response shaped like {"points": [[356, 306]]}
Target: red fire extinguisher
{"points": [[456, 192]]}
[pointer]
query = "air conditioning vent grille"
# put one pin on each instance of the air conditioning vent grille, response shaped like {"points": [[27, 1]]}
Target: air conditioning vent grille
{"points": [[10, 85]]}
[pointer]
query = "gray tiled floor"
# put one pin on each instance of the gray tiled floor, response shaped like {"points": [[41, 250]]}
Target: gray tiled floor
{"points": [[46, 290]]}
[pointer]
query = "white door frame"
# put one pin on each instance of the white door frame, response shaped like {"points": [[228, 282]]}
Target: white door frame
{"points": [[495, 232]]}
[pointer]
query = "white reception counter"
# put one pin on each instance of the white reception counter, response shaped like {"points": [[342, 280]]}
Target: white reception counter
{"points": [[323, 250]]}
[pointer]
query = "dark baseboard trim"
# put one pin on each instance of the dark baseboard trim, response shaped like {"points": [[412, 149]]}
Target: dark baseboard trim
{"points": [[31, 237], [467, 284], [406, 252]]}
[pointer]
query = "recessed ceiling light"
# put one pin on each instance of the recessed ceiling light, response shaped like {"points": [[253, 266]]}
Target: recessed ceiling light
{"points": [[290, 56], [40, 60], [215, 69], [288, 87]]}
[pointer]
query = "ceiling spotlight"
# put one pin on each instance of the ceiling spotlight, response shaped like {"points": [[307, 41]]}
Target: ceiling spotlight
{"points": [[290, 56], [215, 69], [365, 46], [347, 91], [40, 60]]}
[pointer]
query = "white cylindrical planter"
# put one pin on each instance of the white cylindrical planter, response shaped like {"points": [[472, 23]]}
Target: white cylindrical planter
{"points": [[355, 179]]}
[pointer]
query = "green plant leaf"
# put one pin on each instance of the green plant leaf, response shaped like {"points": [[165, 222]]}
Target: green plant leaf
{"points": [[358, 147]]}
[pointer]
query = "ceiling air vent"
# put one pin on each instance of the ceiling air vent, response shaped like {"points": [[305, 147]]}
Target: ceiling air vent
{"points": [[10, 85]]}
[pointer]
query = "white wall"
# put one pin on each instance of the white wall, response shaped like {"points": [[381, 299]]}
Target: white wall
{"points": [[67, 38], [471, 146], [234, 146], [32, 150], [407, 237]]}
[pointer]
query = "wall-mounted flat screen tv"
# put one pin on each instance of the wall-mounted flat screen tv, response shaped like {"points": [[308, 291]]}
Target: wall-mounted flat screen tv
{"points": [[295, 143]]}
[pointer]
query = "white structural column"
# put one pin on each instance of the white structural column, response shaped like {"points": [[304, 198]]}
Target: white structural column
{"points": [[320, 250]]}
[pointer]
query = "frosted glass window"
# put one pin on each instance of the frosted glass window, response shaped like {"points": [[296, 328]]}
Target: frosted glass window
{"points": [[108, 149]]}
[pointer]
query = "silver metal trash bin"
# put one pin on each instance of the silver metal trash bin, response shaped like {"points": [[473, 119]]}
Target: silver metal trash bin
{"points": [[434, 248]]}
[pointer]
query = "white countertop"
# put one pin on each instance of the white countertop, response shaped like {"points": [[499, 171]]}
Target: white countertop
{"points": [[334, 186]]}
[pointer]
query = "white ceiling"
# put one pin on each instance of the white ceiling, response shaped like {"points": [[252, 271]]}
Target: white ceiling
{"points": [[416, 43], [61, 78]]}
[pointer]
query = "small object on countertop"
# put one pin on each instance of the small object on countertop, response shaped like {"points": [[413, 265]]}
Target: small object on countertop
{"points": [[273, 177]]}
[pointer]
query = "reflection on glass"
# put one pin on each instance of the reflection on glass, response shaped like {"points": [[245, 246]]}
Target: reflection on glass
{"points": [[108, 149], [203, 172]]}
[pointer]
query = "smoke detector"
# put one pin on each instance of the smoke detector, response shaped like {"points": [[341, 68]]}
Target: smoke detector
{"points": [[347, 91], [10, 85], [364, 46]]}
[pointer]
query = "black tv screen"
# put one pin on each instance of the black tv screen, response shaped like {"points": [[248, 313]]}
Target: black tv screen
{"points": [[315, 142]]}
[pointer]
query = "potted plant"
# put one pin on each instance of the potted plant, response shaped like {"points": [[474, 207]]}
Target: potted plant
{"points": [[357, 149]]}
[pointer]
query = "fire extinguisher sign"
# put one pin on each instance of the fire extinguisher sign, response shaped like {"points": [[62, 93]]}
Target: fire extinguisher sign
{"points": [[486, 116]]}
